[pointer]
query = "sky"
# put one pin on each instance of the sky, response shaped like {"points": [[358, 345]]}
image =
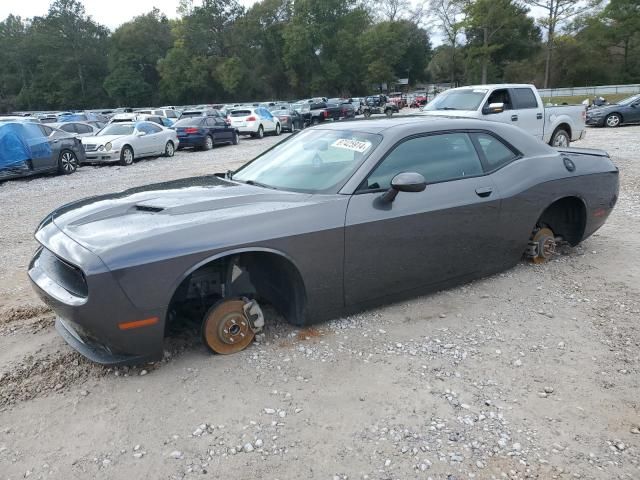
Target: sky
{"points": [[111, 13]]}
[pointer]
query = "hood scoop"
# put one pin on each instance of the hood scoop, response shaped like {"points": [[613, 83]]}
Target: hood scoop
{"points": [[148, 208]]}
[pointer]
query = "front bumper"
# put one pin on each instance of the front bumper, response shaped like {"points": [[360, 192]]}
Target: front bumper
{"points": [[102, 157], [595, 122], [90, 320]]}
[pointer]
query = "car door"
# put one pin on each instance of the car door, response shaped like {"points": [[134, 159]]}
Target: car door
{"points": [[223, 131], [156, 137], [144, 143], [45, 147], [632, 113], [529, 113], [267, 120], [421, 238], [507, 115]]}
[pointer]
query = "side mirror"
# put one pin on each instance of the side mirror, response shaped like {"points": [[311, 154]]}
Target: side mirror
{"points": [[404, 182], [493, 108]]}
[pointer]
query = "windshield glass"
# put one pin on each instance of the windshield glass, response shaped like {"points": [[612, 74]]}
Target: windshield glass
{"points": [[117, 129], [629, 100], [301, 107], [240, 113], [466, 99], [192, 114], [313, 161]]}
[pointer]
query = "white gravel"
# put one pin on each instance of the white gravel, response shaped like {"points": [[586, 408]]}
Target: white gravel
{"points": [[530, 374]]}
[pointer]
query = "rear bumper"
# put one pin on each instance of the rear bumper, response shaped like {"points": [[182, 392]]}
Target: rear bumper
{"points": [[191, 141]]}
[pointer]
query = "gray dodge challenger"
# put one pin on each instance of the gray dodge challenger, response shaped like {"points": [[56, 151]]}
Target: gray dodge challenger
{"points": [[332, 220]]}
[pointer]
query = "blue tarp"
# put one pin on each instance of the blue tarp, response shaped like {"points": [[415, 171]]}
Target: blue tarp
{"points": [[19, 142], [77, 117]]}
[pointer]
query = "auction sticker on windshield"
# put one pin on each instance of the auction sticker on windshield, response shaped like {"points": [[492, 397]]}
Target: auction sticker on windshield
{"points": [[353, 145]]}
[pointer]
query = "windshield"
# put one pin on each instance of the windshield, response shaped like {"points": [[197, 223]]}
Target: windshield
{"points": [[630, 100], [313, 161], [301, 107], [280, 112], [117, 129], [192, 114], [465, 99]]}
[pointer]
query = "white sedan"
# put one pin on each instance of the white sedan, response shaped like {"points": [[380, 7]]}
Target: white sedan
{"points": [[254, 121], [124, 142]]}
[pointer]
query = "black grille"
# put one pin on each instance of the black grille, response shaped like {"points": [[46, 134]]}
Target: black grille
{"points": [[64, 274]]}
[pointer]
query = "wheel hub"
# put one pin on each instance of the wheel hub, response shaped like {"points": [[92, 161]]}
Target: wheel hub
{"points": [[226, 328], [544, 242]]}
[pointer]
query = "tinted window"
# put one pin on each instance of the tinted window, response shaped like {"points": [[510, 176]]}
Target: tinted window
{"points": [[241, 113], [171, 114], [116, 129], [524, 98], [437, 157], [46, 130], [147, 128], [80, 128], [191, 114], [495, 152], [211, 122], [69, 127], [189, 122], [153, 128]]}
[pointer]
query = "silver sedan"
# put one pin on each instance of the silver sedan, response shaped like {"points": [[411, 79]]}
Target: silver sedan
{"points": [[124, 142]]}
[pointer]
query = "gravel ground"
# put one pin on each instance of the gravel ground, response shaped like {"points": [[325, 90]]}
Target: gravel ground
{"points": [[533, 373]]}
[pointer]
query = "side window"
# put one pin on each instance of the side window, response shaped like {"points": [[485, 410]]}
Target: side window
{"points": [[144, 127], [80, 128], [220, 122], [211, 121], [438, 158], [495, 152], [68, 127], [152, 128], [46, 131], [500, 96], [524, 98]]}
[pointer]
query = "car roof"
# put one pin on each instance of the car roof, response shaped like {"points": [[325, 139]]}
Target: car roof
{"points": [[429, 122]]}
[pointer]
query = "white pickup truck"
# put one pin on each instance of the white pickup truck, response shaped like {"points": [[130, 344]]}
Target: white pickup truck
{"points": [[517, 104]]}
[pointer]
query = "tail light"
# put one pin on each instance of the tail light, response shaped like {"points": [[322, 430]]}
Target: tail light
{"points": [[251, 119], [325, 114], [227, 120], [190, 130]]}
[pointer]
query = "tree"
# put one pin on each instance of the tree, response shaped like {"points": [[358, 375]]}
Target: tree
{"points": [[622, 17], [557, 12], [134, 52], [498, 31], [449, 15], [14, 75]]}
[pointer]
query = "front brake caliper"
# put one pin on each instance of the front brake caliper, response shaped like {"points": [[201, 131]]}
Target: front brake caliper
{"points": [[253, 314]]}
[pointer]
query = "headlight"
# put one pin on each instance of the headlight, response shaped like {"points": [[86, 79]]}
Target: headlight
{"points": [[100, 148], [108, 146]]}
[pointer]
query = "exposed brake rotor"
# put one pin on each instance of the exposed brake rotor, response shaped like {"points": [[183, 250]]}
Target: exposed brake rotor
{"points": [[230, 325], [542, 245]]}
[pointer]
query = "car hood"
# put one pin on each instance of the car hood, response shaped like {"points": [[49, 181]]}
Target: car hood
{"points": [[102, 139], [192, 214], [602, 110]]}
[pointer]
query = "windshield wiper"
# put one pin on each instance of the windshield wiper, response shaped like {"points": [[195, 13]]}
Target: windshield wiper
{"points": [[448, 108], [257, 184]]}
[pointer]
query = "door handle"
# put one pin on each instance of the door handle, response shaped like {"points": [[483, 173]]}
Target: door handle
{"points": [[539, 116], [484, 191], [514, 118]]}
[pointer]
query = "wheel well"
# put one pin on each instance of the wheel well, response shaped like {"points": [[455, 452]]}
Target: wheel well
{"points": [[126, 145], [565, 127], [266, 276], [567, 218]]}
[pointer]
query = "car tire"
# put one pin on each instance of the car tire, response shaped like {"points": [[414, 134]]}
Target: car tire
{"points": [[236, 139], [613, 120], [67, 162], [293, 127], [126, 156], [260, 133], [278, 130], [560, 139], [388, 112], [367, 114], [208, 143], [169, 149], [315, 121]]}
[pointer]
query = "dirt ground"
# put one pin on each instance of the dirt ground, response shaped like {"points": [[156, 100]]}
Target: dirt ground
{"points": [[533, 373]]}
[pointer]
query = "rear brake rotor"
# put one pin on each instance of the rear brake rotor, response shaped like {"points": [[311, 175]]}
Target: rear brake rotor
{"points": [[226, 329], [546, 243]]}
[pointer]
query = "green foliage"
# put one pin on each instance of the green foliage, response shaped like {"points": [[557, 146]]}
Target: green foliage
{"points": [[218, 51]]}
